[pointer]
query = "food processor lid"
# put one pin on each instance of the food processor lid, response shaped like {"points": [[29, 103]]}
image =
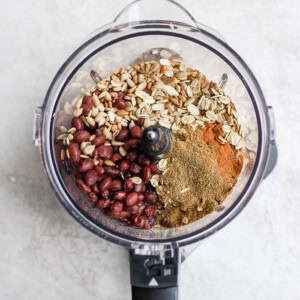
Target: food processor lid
{"points": [[125, 27]]}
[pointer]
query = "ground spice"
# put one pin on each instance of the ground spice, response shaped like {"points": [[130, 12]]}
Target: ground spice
{"points": [[229, 160], [201, 174]]}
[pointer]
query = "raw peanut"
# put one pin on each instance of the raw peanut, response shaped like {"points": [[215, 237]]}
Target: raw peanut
{"points": [[141, 207], [105, 194], [138, 221], [140, 122], [150, 222], [154, 169], [128, 185], [78, 175], [120, 95], [116, 185], [93, 197], [136, 208], [86, 109], [100, 162], [98, 132], [96, 154], [123, 135], [87, 100], [149, 211], [103, 151], [147, 224], [92, 128], [117, 207], [87, 104], [140, 198], [147, 91], [120, 104], [109, 152], [116, 157], [143, 160], [101, 177], [139, 188], [131, 199], [121, 215], [85, 165], [158, 204], [128, 174], [77, 123], [85, 188], [115, 149], [167, 223], [102, 203], [136, 132], [81, 136], [132, 155], [120, 195], [105, 184], [146, 174], [149, 197], [91, 177], [99, 140], [74, 152], [126, 146], [100, 170], [124, 165], [112, 171], [135, 168], [132, 144], [95, 188], [132, 209]]}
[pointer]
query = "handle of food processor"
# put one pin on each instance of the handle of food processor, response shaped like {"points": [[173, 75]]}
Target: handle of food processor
{"points": [[211, 31], [154, 273], [167, 10], [149, 10], [273, 152]]}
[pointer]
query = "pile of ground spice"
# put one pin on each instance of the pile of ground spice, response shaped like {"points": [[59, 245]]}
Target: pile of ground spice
{"points": [[201, 174]]}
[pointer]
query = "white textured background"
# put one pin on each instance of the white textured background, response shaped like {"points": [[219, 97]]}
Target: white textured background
{"points": [[45, 254]]}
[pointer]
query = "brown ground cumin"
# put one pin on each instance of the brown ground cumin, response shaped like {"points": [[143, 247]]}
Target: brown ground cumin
{"points": [[201, 173]]}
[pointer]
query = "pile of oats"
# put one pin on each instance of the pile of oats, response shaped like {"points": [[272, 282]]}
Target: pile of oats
{"points": [[164, 92]]}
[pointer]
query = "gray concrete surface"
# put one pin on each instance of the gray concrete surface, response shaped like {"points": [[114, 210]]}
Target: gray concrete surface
{"points": [[45, 254]]}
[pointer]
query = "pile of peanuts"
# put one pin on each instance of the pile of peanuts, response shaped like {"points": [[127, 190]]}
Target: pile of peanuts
{"points": [[116, 177]]}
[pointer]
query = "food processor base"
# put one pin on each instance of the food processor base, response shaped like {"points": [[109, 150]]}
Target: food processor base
{"points": [[152, 294], [154, 273]]}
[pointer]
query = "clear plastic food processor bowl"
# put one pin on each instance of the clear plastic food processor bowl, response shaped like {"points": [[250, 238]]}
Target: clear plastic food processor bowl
{"points": [[140, 32]]}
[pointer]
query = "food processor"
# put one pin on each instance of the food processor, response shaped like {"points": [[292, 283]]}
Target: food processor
{"points": [[146, 30]]}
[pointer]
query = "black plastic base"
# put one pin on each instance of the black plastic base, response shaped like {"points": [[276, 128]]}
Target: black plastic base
{"points": [[154, 275], [154, 294]]}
